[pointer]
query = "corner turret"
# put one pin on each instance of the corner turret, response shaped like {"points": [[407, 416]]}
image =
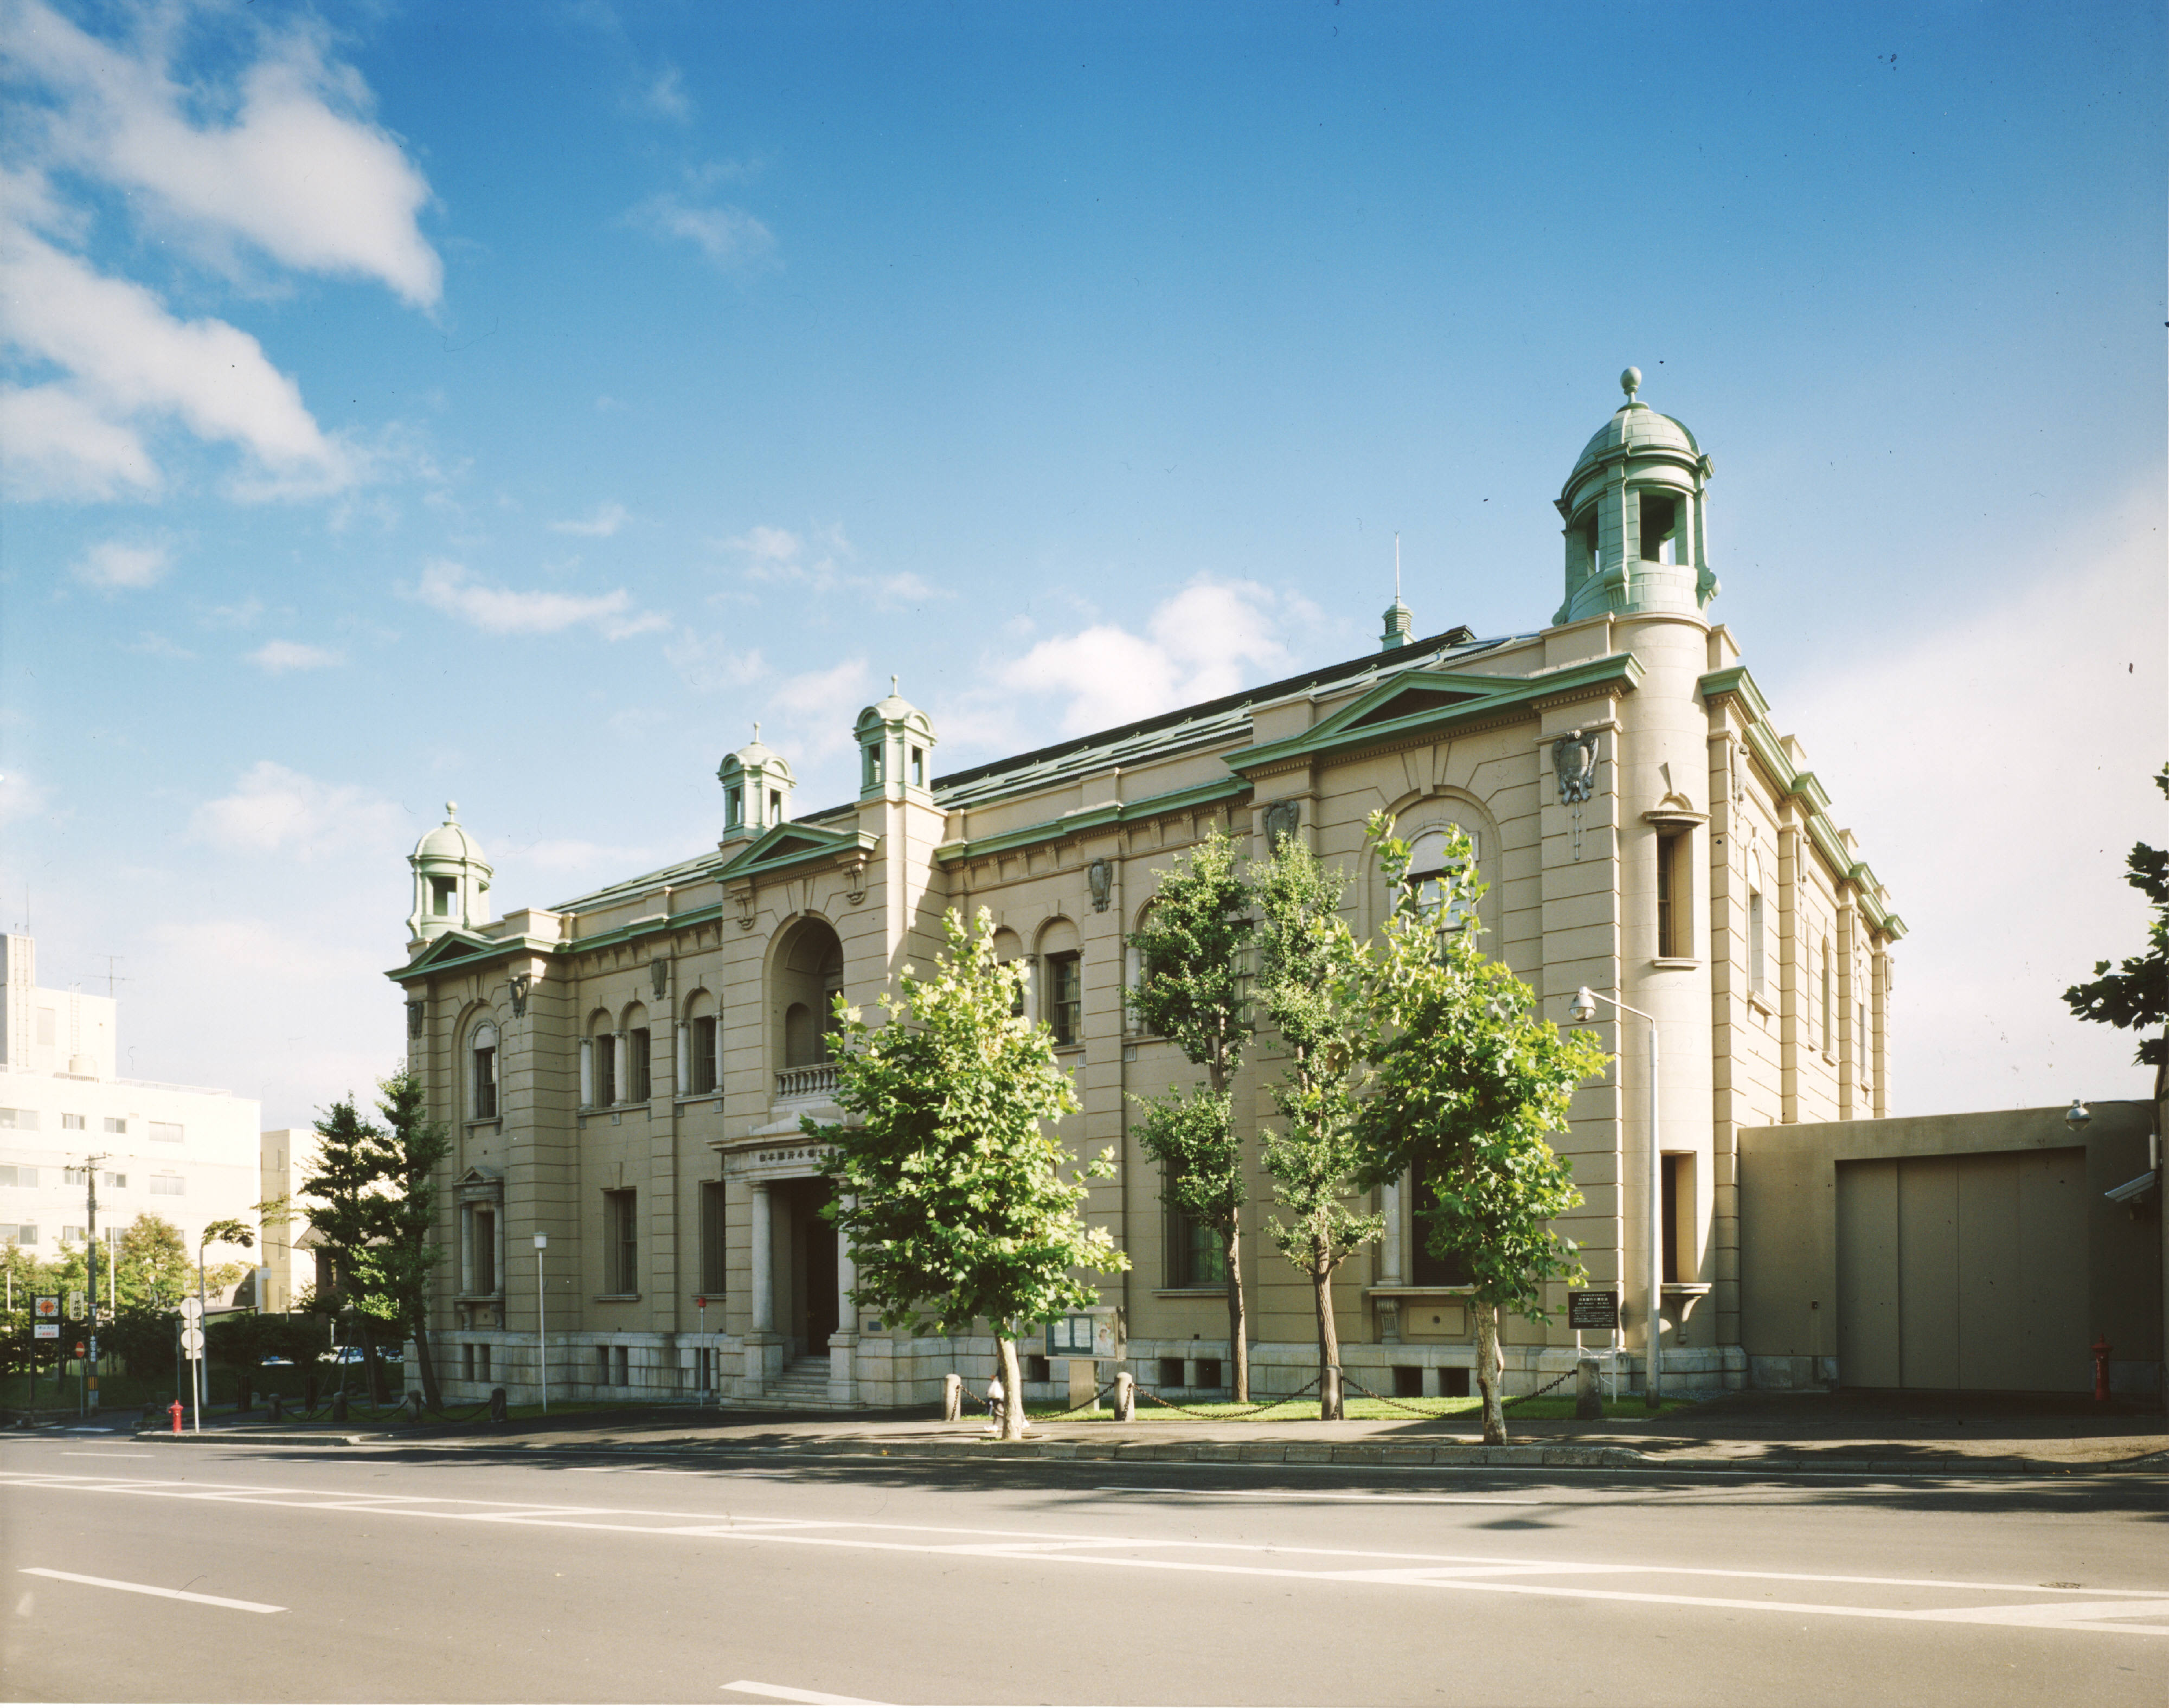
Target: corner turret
{"points": [[757, 785], [896, 751], [451, 882], [1636, 517]]}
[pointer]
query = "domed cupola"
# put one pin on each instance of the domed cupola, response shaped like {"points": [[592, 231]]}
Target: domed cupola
{"points": [[757, 785], [896, 750], [451, 882], [1636, 517]]}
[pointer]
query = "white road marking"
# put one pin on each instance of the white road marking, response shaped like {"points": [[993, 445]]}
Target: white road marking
{"points": [[2105, 1611], [152, 1589], [1326, 1494], [68, 1453], [785, 1693]]}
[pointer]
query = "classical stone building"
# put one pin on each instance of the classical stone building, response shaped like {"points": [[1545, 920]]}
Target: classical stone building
{"points": [[625, 1072]]}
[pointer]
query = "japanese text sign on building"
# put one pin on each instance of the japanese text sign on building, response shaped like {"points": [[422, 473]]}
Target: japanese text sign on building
{"points": [[1585, 1311]]}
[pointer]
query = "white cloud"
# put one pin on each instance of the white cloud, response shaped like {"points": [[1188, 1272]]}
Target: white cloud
{"points": [[273, 810], [708, 662], [730, 238], [777, 556], [282, 658], [445, 587], [116, 563], [156, 646], [667, 94], [22, 797], [128, 357], [819, 707], [1209, 639], [55, 443], [1997, 771], [607, 521], [299, 173]]}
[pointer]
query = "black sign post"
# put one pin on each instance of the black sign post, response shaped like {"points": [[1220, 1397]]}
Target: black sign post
{"points": [[1592, 1311]]}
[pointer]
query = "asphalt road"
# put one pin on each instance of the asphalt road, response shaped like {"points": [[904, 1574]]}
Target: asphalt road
{"points": [[142, 1570]]}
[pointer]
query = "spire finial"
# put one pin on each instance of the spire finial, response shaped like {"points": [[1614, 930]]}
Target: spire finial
{"points": [[1397, 566], [452, 812], [756, 729], [1630, 382], [892, 688]]}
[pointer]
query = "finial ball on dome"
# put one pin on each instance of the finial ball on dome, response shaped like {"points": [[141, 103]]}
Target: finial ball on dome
{"points": [[451, 809], [1630, 382]]}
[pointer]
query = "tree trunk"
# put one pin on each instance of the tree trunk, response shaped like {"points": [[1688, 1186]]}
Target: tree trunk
{"points": [[1012, 1390], [1331, 1408], [1488, 1367], [1239, 1328], [433, 1396]]}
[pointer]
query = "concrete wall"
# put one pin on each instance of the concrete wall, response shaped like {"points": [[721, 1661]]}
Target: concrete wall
{"points": [[1793, 1179]]}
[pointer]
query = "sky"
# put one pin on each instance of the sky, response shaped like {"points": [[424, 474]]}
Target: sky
{"points": [[512, 403]]}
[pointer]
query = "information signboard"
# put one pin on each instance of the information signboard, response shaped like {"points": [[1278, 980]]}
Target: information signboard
{"points": [[45, 1331], [1592, 1311]]}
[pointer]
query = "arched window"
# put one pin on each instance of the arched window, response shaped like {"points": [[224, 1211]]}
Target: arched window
{"points": [[700, 1068], [635, 1083], [599, 1063], [1430, 865], [482, 1050], [1061, 982], [1009, 950], [808, 977]]}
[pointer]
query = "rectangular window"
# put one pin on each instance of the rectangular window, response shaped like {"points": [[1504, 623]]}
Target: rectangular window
{"points": [[1828, 1038], [713, 1225], [605, 1068], [1675, 889], [1674, 1168], [117, 1181], [441, 892], [116, 1124], [1426, 1269], [1065, 1008], [602, 1364], [621, 1358], [18, 1176], [165, 1132], [23, 1120], [482, 1357], [485, 1084], [75, 1177], [734, 805], [168, 1186], [637, 1065], [918, 767], [1196, 1256], [1754, 957], [704, 1053], [73, 1236], [71, 1123], [482, 1250], [467, 1363], [26, 1234], [8, 1174], [620, 1245], [1659, 529]]}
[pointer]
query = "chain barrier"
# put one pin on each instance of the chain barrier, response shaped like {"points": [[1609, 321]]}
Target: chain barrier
{"points": [[1509, 1400], [1228, 1416]]}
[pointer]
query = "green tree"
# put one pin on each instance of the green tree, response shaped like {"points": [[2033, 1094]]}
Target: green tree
{"points": [[353, 1158], [152, 1265], [949, 1178], [1470, 1082], [1310, 989], [2134, 997], [393, 1269], [1191, 952]]}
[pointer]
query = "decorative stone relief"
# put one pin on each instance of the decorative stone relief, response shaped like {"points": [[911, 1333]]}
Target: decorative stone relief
{"points": [[415, 1013], [745, 899], [1282, 818], [1573, 762], [854, 879], [522, 982], [1100, 874], [658, 974]]}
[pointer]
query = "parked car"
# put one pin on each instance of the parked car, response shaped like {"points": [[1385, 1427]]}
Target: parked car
{"points": [[272, 1358]]}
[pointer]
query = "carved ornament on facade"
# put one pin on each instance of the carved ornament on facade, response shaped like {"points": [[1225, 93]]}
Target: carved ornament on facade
{"points": [[744, 899], [1573, 763], [1101, 875], [854, 879], [658, 975], [416, 1013], [1282, 818], [522, 982]]}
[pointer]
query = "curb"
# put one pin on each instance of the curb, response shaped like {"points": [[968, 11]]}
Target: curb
{"points": [[1314, 1454]]}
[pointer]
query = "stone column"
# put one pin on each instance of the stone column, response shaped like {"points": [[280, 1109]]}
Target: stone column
{"points": [[844, 1343], [763, 1350]]}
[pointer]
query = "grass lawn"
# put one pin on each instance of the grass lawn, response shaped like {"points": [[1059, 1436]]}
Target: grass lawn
{"points": [[1305, 1410]]}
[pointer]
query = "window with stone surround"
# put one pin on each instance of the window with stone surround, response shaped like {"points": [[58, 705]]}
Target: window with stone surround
{"points": [[1426, 1268], [620, 1243], [1196, 1256], [483, 1072], [714, 1252], [1675, 894], [638, 1065], [1065, 997], [1661, 514]]}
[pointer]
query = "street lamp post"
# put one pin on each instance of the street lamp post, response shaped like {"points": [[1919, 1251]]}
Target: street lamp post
{"points": [[1583, 1009], [542, 1323]]}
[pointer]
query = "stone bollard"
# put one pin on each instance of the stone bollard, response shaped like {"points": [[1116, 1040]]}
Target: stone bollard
{"points": [[338, 1407], [277, 1411], [1125, 1398], [952, 1397], [1588, 1401], [499, 1411], [413, 1408]]}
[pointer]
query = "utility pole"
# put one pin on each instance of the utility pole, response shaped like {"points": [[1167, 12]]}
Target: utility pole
{"points": [[90, 1180]]}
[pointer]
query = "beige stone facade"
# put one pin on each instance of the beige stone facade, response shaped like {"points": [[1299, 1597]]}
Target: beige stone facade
{"points": [[625, 1072]]}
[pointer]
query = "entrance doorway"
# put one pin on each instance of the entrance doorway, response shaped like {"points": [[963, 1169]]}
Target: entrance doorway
{"points": [[807, 1287]]}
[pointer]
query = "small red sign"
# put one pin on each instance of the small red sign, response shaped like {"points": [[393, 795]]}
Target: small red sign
{"points": [[702, 1300]]}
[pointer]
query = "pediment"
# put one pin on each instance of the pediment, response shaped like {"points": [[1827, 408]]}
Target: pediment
{"points": [[788, 844], [1410, 701]]}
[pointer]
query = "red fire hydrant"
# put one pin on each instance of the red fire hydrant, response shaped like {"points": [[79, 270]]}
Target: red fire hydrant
{"points": [[174, 1411], [2101, 1367]]}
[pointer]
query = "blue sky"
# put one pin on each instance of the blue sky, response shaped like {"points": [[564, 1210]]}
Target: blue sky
{"points": [[514, 403]]}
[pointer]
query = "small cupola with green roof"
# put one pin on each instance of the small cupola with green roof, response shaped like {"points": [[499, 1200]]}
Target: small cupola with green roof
{"points": [[451, 882], [896, 751], [757, 785], [1636, 518]]}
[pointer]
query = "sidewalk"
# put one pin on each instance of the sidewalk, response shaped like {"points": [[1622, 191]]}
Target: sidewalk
{"points": [[1970, 1435]]}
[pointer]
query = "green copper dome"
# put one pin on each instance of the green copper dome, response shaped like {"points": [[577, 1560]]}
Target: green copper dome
{"points": [[1638, 428]]}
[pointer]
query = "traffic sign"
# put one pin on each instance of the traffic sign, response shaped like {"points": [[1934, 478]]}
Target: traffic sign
{"points": [[191, 1310], [80, 1349], [192, 1342]]}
